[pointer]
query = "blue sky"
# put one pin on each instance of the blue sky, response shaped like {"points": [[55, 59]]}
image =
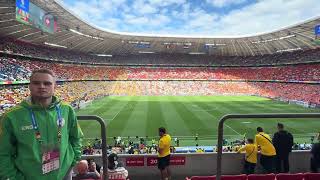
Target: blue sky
{"points": [[194, 17]]}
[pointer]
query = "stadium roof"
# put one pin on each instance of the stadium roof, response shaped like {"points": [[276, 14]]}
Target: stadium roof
{"points": [[77, 35]]}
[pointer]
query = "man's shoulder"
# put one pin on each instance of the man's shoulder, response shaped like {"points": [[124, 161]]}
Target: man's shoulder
{"points": [[285, 134], [316, 145], [167, 137], [65, 105], [12, 111], [265, 135], [276, 133], [86, 176], [250, 145], [315, 148], [117, 170], [289, 134]]}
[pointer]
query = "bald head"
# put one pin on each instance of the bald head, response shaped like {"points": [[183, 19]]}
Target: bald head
{"points": [[82, 167]]}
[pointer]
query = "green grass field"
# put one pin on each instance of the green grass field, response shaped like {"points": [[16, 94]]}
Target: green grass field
{"points": [[186, 116]]}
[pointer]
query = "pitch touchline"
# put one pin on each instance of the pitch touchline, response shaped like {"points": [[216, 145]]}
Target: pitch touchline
{"points": [[224, 123], [232, 129], [228, 126], [117, 113]]}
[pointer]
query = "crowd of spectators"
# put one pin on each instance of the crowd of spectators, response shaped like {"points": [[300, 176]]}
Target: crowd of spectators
{"points": [[286, 91], [12, 69], [74, 92], [88, 169], [282, 73]]}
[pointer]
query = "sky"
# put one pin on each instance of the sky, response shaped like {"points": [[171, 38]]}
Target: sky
{"points": [[194, 17]]}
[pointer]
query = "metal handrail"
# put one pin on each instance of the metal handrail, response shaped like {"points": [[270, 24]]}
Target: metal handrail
{"points": [[103, 139], [242, 116]]}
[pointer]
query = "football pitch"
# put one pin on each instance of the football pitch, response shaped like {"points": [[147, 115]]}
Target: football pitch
{"points": [[186, 117]]}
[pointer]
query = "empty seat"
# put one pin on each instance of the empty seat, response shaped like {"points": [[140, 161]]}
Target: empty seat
{"points": [[311, 176], [203, 178], [298, 176], [224, 177], [234, 177], [261, 177]]}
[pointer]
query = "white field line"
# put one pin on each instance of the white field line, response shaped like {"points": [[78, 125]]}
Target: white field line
{"points": [[224, 123]]}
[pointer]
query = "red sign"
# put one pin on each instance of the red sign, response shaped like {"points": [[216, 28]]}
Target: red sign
{"points": [[174, 160], [152, 161], [135, 161]]}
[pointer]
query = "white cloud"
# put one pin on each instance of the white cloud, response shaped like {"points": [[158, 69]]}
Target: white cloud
{"points": [[111, 23], [184, 14], [83, 10], [155, 20], [116, 3], [162, 3], [224, 3], [266, 16], [147, 9], [126, 8], [201, 19], [181, 17], [142, 7], [164, 11], [137, 21], [159, 20]]}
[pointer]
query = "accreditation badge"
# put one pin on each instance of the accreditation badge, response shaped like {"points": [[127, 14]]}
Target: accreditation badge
{"points": [[50, 160]]}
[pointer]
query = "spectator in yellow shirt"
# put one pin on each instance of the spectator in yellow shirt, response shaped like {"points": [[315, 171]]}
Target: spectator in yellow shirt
{"points": [[251, 156], [164, 154], [268, 152]]}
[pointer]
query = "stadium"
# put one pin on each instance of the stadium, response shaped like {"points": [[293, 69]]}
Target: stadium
{"points": [[138, 83]]}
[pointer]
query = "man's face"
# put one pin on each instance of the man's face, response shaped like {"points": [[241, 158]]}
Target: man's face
{"points": [[42, 85]]}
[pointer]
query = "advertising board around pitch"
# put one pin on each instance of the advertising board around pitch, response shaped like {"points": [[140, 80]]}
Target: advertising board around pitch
{"points": [[135, 161], [174, 161]]}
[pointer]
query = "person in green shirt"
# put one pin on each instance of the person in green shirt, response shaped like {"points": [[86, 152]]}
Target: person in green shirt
{"points": [[39, 138]]}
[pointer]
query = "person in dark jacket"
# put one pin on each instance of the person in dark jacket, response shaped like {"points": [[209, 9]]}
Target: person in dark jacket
{"points": [[283, 142], [315, 158]]}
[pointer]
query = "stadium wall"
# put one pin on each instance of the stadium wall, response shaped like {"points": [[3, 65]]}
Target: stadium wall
{"points": [[204, 164]]}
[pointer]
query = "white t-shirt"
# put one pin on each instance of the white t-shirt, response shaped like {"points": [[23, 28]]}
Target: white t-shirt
{"points": [[119, 173]]}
